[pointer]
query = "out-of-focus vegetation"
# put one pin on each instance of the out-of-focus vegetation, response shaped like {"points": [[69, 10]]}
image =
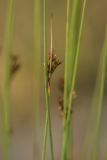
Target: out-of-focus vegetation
{"points": [[23, 83]]}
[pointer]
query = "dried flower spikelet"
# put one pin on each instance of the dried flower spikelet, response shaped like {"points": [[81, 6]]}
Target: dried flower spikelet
{"points": [[61, 107], [15, 66], [60, 99], [53, 63]]}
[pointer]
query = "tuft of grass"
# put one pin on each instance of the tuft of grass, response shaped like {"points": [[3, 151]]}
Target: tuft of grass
{"points": [[7, 79], [73, 38]]}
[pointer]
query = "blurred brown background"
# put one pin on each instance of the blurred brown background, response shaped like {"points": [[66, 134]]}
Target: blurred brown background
{"points": [[23, 83]]}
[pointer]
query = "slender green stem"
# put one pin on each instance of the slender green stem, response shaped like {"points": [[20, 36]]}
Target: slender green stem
{"points": [[76, 62], [67, 122], [47, 125], [7, 80], [47, 96], [45, 138], [66, 58], [38, 29], [50, 129], [93, 137], [66, 76], [101, 84]]}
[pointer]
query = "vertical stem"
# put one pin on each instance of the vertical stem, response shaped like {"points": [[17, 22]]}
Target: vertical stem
{"points": [[47, 96], [51, 40], [76, 62], [38, 29], [92, 140], [69, 95], [45, 138], [66, 56], [7, 77], [50, 128], [101, 84], [66, 77]]}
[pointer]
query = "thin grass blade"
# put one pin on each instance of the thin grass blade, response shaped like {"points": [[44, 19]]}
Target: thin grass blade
{"points": [[73, 39], [91, 148], [38, 43], [47, 91], [100, 99], [9, 32]]}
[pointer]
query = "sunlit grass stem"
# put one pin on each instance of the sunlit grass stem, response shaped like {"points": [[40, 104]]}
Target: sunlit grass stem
{"points": [[7, 79]]}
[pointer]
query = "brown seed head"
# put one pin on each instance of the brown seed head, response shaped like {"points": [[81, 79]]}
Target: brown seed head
{"points": [[53, 63]]}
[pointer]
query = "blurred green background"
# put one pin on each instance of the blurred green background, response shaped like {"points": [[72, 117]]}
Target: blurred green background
{"points": [[23, 83]]}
